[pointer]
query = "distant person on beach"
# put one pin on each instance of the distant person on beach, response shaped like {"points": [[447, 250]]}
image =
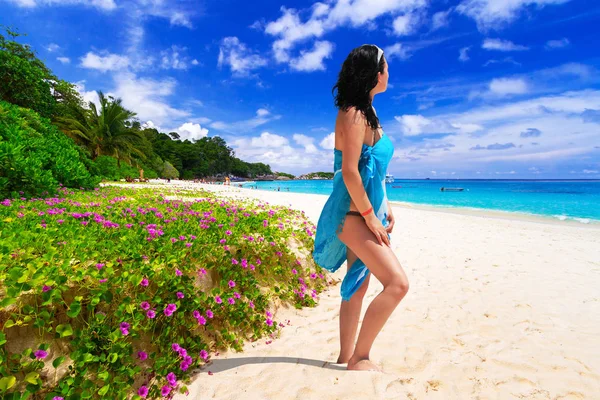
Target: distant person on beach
{"points": [[357, 219]]}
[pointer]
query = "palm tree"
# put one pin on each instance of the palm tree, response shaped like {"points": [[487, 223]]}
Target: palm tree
{"points": [[105, 131]]}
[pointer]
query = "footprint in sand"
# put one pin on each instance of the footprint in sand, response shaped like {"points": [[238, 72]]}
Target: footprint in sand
{"points": [[433, 385]]}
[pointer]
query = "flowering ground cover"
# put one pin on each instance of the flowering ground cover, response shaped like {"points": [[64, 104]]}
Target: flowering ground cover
{"points": [[121, 293]]}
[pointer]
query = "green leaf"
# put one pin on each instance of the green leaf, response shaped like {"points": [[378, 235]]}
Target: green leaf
{"points": [[7, 302], [9, 323], [74, 309], [57, 361], [103, 375], [32, 378], [7, 382], [2, 338], [103, 390], [64, 330], [112, 357]]}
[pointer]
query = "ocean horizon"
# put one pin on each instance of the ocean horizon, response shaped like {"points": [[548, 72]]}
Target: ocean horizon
{"points": [[562, 199]]}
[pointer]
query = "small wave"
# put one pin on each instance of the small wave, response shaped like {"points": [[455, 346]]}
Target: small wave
{"points": [[561, 217], [583, 220]]}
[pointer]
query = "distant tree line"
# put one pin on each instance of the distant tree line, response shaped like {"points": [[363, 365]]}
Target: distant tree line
{"points": [[107, 138]]}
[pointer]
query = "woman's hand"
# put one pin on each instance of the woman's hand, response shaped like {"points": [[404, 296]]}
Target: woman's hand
{"points": [[390, 218], [378, 229]]}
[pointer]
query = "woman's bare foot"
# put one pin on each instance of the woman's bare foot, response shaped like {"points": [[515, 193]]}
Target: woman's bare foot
{"points": [[363, 365]]}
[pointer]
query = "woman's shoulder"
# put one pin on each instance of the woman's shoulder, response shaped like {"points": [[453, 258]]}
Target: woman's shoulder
{"points": [[352, 116]]}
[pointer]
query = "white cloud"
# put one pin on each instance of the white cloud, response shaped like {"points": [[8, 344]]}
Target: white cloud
{"points": [[240, 59], [490, 14], [497, 134], [89, 96], [195, 62], [289, 30], [413, 125], [440, 20], [64, 60], [52, 47], [502, 45], [281, 155], [506, 86], [557, 44], [101, 4], [590, 171], [147, 97], [262, 117], [103, 63], [191, 131], [406, 24], [261, 112], [313, 60], [328, 142], [397, 50], [307, 142], [174, 58], [463, 54]]}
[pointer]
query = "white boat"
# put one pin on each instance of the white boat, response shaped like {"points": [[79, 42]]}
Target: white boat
{"points": [[389, 178]]}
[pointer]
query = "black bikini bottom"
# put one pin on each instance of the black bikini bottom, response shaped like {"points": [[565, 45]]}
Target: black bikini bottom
{"points": [[354, 213]]}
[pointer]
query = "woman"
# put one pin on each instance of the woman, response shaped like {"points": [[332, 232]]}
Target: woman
{"points": [[356, 220]]}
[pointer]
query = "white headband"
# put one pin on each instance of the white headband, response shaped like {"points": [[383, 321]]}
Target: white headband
{"points": [[379, 52]]}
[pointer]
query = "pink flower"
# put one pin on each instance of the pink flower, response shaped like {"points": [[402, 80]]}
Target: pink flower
{"points": [[234, 261], [251, 304], [231, 300], [142, 391], [58, 398], [145, 305], [201, 320], [40, 354], [180, 295], [231, 284], [178, 272], [172, 379], [226, 248], [209, 314], [196, 314], [268, 314], [46, 288], [103, 280], [151, 314], [165, 390], [222, 241], [142, 355], [228, 232], [175, 346], [218, 300], [144, 282], [237, 295], [269, 322], [202, 271], [294, 271], [252, 267], [258, 261], [99, 266], [170, 309], [124, 327], [203, 354], [265, 222]]}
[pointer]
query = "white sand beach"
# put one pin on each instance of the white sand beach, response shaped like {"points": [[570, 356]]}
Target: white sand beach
{"points": [[499, 307]]}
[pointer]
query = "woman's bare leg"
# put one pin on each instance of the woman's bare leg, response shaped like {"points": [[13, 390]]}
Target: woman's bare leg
{"points": [[382, 263], [349, 315]]}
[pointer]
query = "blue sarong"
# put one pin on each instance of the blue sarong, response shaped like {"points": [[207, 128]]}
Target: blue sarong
{"points": [[329, 251]]}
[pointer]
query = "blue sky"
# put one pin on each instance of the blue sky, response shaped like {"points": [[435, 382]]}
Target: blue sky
{"points": [[478, 88]]}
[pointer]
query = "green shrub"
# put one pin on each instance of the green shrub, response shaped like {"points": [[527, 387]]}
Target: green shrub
{"points": [[80, 273], [35, 157]]}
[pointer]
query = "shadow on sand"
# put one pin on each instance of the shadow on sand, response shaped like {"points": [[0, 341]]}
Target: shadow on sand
{"points": [[229, 363]]}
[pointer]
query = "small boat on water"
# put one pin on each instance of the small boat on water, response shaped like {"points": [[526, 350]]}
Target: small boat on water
{"points": [[443, 189], [389, 178], [396, 187]]}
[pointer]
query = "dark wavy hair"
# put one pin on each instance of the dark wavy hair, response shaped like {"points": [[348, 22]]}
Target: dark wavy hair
{"points": [[356, 79]]}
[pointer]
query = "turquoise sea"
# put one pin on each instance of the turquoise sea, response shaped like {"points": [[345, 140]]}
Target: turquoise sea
{"points": [[562, 199]]}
